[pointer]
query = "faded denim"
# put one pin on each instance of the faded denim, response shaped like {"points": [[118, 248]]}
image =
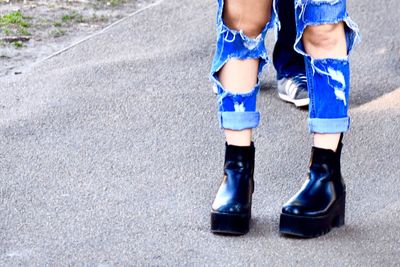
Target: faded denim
{"points": [[328, 79]]}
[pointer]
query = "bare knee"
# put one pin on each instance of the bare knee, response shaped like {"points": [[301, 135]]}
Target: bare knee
{"points": [[251, 16], [326, 36]]}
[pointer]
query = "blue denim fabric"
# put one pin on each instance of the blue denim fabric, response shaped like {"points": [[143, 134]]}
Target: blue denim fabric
{"points": [[328, 79], [287, 62], [237, 111]]}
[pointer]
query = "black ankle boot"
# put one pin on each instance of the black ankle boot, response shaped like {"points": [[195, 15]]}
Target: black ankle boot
{"points": [[320, 203], [231, 209]]}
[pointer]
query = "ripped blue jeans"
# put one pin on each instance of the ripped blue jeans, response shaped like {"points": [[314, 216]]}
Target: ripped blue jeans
{"points": [[328, 79]]}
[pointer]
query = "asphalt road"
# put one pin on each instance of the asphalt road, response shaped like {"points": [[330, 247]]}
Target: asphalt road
{"points": [[111, 152]]}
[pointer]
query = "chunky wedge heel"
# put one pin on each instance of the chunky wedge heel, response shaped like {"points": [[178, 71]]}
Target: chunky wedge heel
{"points": [[313, 226], [339, 220], [320, 204], [230, 224], [231, 209]]}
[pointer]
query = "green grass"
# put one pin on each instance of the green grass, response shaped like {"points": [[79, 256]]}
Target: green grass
{"points": [[97, 18], [17, 44], [57, 24], [14, 23], [14, 18], [7, 31], [57, 33], [24, 32], [115, 3], [72, 17]]}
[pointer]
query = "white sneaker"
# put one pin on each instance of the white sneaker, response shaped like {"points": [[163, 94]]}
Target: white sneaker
{"points": [[294, 90]]}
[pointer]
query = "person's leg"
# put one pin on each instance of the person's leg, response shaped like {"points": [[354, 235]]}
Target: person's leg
{"points": [[241, 75], [239, 59], [325, 36], [326, 41], [289, 65]]}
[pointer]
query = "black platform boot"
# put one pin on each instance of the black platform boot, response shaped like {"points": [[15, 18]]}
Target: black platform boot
{"points": [[231, 209], [320, 203]]}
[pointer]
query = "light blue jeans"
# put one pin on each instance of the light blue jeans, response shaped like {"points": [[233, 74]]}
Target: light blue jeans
{"points": [[328, 79]]}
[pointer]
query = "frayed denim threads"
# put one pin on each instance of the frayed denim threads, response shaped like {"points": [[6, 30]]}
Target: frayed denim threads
{"points": [[238, 111], [328, 79]]}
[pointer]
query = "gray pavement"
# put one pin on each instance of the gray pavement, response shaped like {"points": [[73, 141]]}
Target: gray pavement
{"points": [[111, 153]]}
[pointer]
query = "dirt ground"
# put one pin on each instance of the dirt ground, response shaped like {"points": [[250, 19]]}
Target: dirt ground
{"points": [[31, 30]]}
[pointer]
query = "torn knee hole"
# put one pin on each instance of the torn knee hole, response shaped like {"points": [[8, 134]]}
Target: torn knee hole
{"points": [[326, 35], [239, 75], [238, 18]]}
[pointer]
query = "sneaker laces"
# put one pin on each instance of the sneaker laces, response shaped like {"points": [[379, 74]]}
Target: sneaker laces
{"points": [[300, 80], [295, 84]]}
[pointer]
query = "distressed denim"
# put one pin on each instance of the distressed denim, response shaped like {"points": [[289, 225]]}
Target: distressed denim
{"points": [[328, 79]]}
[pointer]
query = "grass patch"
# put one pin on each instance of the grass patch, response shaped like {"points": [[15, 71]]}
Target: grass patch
{"points": [[57, 33], [24, 32], [7, 31], [57, 24], [14, 18], [17, 44], [101, 18], [115, 3], [73, 17], [14, 23]]}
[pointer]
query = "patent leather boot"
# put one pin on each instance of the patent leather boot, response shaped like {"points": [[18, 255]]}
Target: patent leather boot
{"points": [[320, 203], [231, 209]]}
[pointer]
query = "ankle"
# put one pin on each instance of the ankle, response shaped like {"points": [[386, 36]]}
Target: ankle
{"points": [[238, 138], [327, 141]]}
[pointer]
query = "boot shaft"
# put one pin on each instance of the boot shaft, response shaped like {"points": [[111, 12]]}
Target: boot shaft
{"points": [[238, 157], [327, 157]]}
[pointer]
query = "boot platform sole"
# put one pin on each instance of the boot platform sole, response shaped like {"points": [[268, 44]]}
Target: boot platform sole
{"points": [[313, 226], [229, 224]]}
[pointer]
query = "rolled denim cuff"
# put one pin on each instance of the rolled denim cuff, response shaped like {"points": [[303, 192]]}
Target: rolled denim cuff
{"points": [[337, 125], [239, 120]]}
